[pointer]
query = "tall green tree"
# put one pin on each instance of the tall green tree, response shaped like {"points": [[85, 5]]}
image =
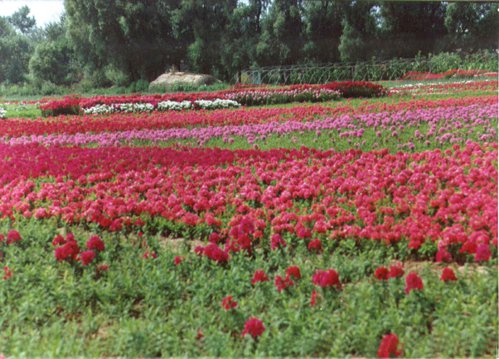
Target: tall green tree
{"points": [[134, 37], [472, 26], [409, 28], [22, 21], [322, 29], [281, 41], [359, 35]]}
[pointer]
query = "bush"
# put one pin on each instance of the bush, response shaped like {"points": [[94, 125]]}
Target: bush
{"points": [[70, 105], [351, 89]]}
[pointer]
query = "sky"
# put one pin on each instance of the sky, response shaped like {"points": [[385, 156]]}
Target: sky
{"points": [[44, 11]]}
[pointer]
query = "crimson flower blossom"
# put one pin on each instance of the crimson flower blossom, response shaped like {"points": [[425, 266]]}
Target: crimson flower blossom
{"points": [[259, 276], [413, 282], [315, 245], [8, 273], [148, 255], [95, 242], [482, 253], [326, 278], [87, 257], [381, 273], [388, 348], [282, 283], [448, 275], [177, 260], [253, 327], [313, 298], [229, 303], [277, 242], [293, 271], [13, 236], [396, 271]]}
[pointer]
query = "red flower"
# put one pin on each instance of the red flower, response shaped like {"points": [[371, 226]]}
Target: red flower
{"points": [[381, 273], [96, 243], [281, 283], [200, 335], [396, 271], [448, 275], [293, 271], [213, 252], [315, 245], [228, 303], [13, 236], [87, 257], [313, 298], [276, 241], [253, 327], [388, 346], [482, 253], [177, 260], [326, 278], [413, 282], [58, 240], [102, 267], [68, 251], [8, 273], [148, 255], [259, 276]]}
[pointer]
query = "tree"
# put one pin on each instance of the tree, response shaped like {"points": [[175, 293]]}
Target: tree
{"points": [[409, 28], [359, 36], [54, 59], [472, 26], [22, 21], [15, 51], [134, 37], [322, 29], [281, 41]]}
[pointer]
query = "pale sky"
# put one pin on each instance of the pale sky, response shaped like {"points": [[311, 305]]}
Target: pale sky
{"points": [[44, 11]]}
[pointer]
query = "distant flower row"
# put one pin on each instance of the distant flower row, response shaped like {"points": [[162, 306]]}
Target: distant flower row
{"points": [[160, 106], [247, 97]]}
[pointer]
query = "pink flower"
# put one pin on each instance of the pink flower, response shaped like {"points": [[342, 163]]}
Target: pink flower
{"points": [[177, 260], [253, 327], [388, 347], [87, 257], [259, 276], [228, 303], [95, 242], [413, 282], [482, 253]]}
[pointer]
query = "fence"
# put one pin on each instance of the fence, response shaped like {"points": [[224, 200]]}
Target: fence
{"points": [[363, 71]]}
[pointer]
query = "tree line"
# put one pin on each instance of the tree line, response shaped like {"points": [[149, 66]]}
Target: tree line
{"points": [[117, 42]]}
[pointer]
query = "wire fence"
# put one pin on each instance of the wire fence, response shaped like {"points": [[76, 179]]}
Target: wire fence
{"points": [[361, 71]]}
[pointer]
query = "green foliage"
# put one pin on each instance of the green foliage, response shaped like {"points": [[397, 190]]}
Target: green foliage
{"points": [[22, 21], [150, 307]]}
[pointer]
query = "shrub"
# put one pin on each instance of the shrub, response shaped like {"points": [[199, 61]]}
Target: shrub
{"points": [[70, 105]]}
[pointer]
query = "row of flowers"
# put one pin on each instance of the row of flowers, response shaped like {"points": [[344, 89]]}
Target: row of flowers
{"points": [[453, 73], [302, 93], [244, 116], [161, 106], [451, 125], [294, 198], [438, 87]]}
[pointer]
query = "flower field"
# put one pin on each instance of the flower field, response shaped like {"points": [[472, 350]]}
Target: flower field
{"points": [[341, 227]]}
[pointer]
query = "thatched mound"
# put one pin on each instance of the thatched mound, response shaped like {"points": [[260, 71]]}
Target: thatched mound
{"points": [[171, 79]]}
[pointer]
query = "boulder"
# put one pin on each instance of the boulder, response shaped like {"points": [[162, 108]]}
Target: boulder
{"points": [[170, 79]]}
